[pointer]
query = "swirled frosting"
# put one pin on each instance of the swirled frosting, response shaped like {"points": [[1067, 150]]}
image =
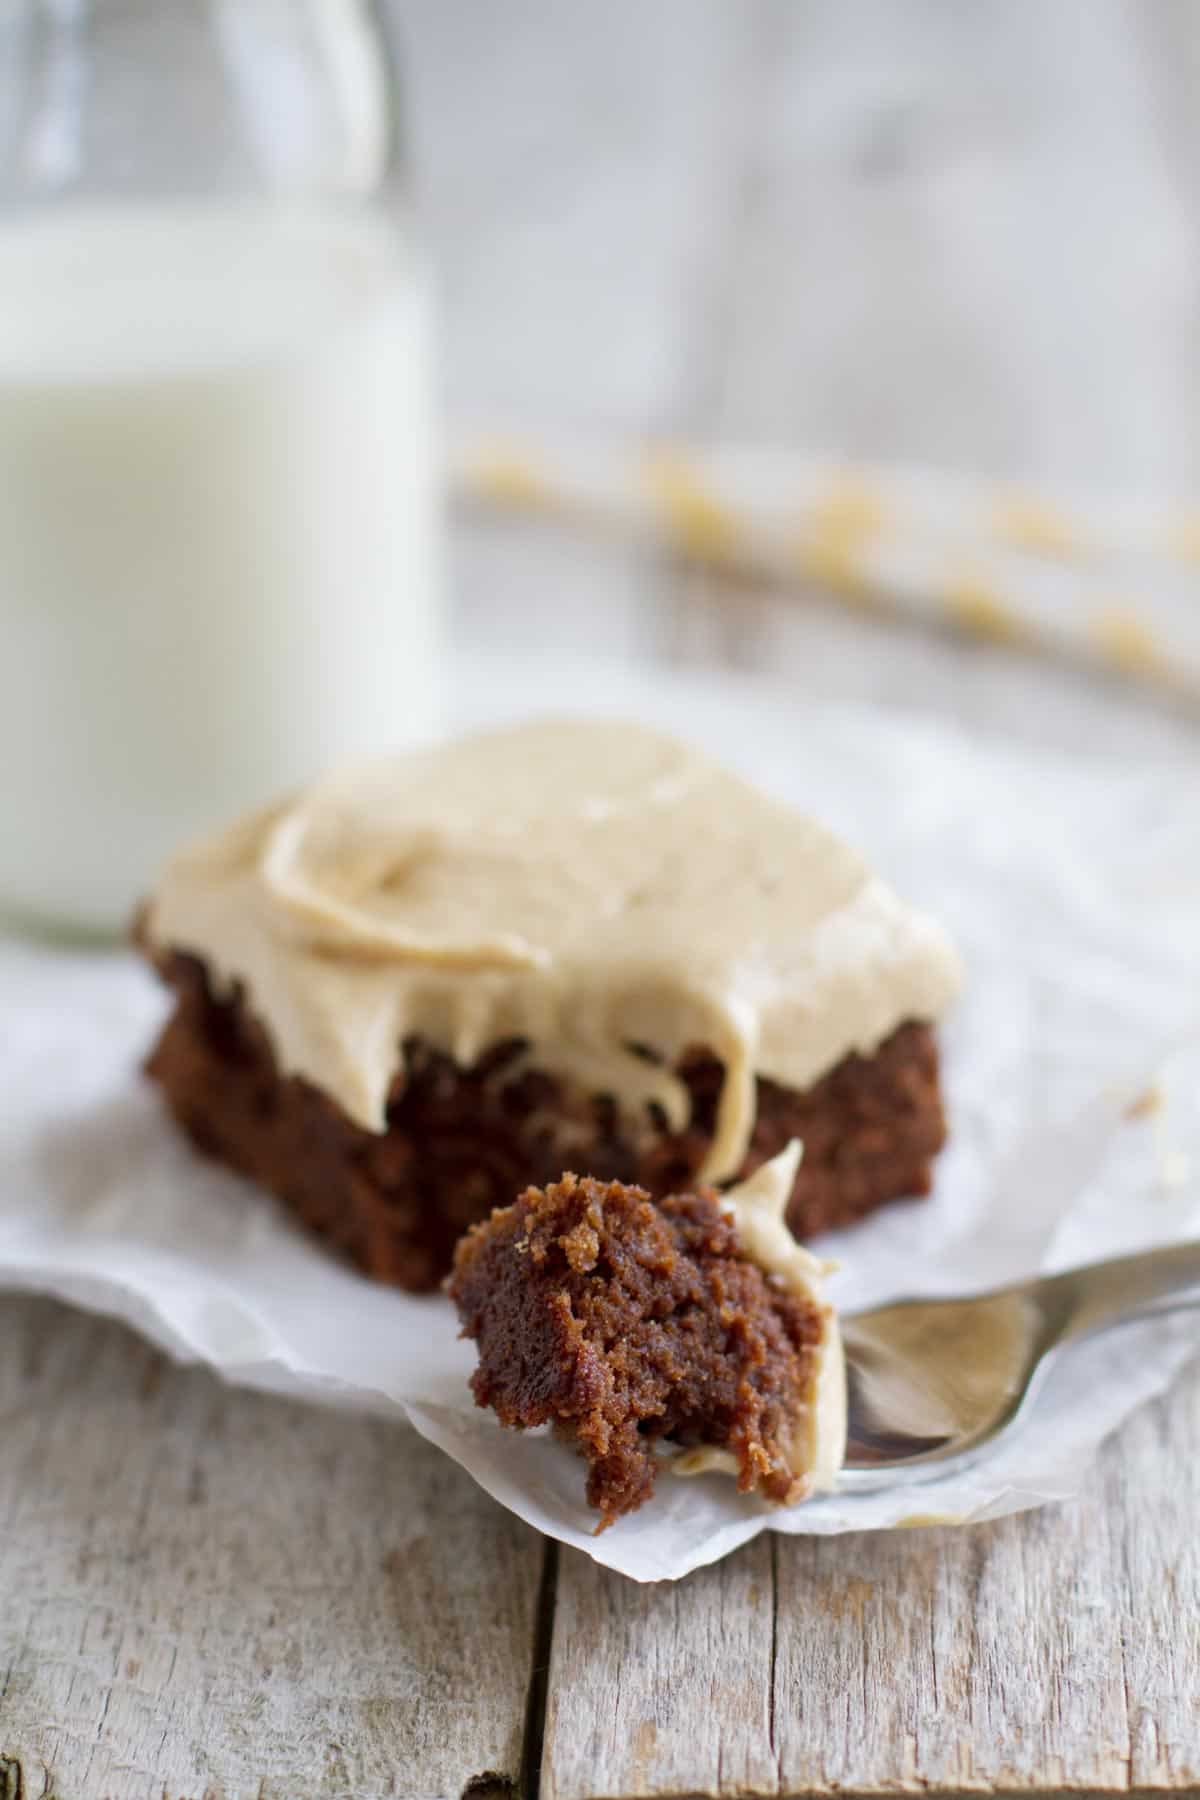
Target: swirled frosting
{"points": [[597, 889]]}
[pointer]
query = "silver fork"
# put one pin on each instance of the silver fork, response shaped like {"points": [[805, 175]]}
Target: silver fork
{"points": [[933, 1382]]}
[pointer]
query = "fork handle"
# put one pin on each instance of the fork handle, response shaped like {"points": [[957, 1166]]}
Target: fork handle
{"points": [[1086, 1300]]}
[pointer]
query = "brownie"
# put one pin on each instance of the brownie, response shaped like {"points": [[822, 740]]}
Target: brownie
{"points": [[627, 1323], [460, 1141]]}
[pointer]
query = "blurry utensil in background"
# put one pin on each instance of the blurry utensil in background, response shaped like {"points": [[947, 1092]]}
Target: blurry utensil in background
{"points": [[1112, 585], [217, 513]]}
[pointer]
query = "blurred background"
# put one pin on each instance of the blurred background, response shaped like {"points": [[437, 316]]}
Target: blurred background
{"points": [[845, 347], [947, 235]]}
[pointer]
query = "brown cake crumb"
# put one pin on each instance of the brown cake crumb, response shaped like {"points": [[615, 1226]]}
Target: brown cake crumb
{"points": [[460, 1141], [625, 1322]]}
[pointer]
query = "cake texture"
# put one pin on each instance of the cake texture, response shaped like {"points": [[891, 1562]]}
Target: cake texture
{"points": [[689, 1325], [421, 985]]}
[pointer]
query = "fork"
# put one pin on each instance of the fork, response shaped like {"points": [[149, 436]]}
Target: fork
{"points": [[932, 1383]]}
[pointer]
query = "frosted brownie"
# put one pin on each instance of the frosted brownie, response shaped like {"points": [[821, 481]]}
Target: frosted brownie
{"points": [[422, 985], [633, 1326]]}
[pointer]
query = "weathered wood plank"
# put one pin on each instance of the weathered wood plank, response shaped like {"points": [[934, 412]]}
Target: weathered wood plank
{"points": [[209, 1593], [842, 225], [661, 1689], [1152, 1483], [1057, 1650]]}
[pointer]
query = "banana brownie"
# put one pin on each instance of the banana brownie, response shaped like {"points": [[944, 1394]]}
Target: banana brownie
{"points": [[420, 986], [633, 1326]]}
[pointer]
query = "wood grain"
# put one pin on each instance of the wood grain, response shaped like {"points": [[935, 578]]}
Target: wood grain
{"points": [[662, 1689], [958, 234], [206, 1593], [1055, 1651]]}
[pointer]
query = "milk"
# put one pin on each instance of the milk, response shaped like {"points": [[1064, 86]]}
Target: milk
{"points": [[217, 522]]}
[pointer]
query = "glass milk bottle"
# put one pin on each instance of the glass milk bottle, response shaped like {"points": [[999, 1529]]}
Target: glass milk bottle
{"points": [[217, 494]]}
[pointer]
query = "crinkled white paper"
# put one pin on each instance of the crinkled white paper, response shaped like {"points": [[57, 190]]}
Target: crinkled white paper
{"points": [[1074, 892]]}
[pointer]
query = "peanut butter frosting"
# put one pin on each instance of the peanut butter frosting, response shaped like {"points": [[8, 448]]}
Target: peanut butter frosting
{"points": [[599, 890], [816, 1446]]}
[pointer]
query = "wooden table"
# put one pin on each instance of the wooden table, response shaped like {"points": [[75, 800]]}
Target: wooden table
{"points": [[961, 235], [209, 1593]]}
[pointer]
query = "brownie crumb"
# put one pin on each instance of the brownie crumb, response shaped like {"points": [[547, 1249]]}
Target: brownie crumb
{"points": [[628, 1323]]}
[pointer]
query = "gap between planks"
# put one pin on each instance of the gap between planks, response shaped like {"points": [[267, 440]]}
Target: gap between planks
{"points": [[1051, 1651]]}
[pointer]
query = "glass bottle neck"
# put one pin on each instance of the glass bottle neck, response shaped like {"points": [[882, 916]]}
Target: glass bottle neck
{"points": [[153, 100]]}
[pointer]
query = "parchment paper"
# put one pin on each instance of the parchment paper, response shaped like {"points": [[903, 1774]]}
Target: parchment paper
{"points": [[1072, 1066]]}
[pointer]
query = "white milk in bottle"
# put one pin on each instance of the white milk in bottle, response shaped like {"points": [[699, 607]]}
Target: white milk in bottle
{"points": [[217, 529]]}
